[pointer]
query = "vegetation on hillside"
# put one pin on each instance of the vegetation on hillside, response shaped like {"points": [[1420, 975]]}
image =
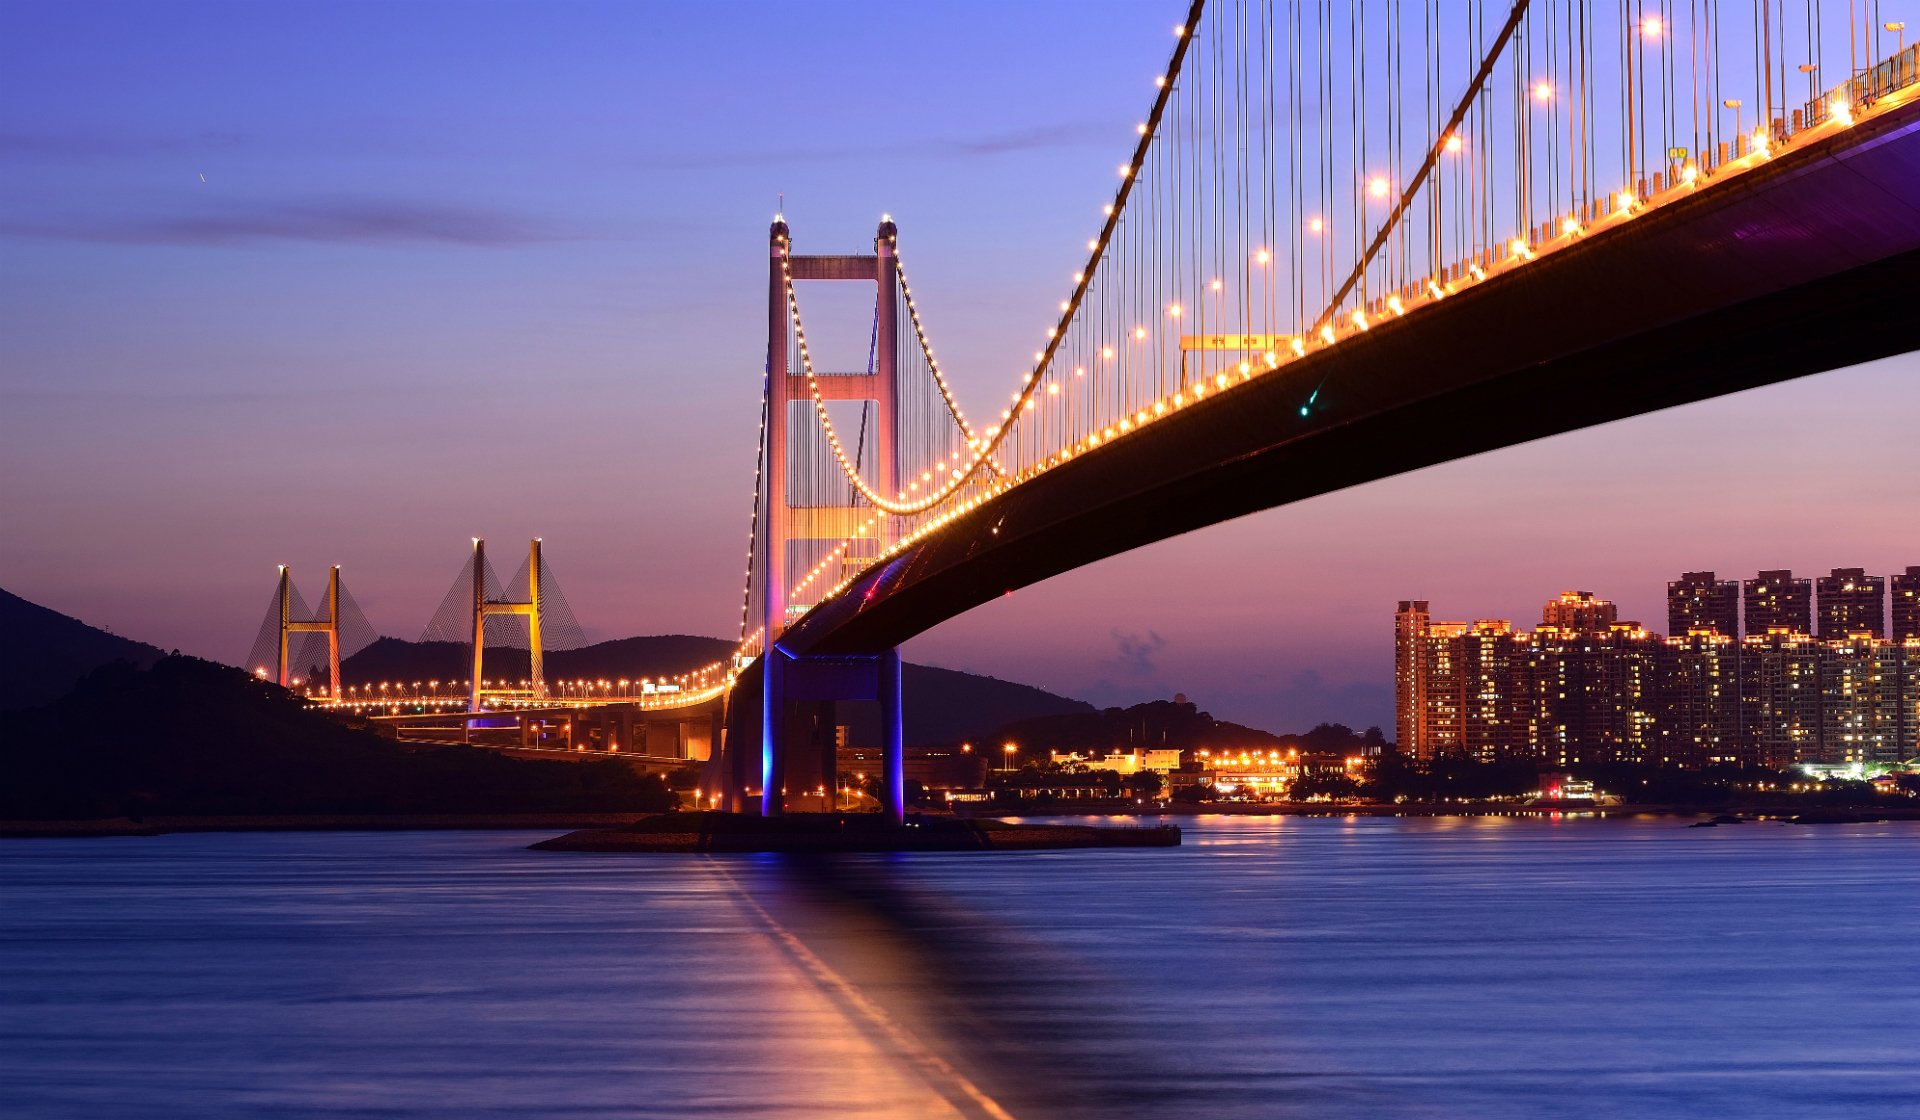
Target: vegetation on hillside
{"points": [[191, 738]]}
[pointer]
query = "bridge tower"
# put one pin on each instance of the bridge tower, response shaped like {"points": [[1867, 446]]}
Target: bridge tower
{"points": [[485, 608], [330, 626], [785, 678]]}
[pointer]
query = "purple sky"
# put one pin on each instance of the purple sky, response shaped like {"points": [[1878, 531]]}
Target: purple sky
{"points": [[499, 269]]}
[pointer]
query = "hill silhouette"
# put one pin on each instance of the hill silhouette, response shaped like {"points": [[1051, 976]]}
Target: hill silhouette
{"points": [[44, 653], [942, 705], [188, 737], [1178, 724], [663, 655], [1155, 725]]}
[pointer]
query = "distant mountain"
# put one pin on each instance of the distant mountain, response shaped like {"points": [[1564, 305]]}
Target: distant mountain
{"points": [[1175, 724], [1170, 724], [943, 705], [662, 655], [946, 706], [44, 653]]}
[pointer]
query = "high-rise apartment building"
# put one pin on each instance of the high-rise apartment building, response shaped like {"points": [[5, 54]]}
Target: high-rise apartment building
{"points": [[1579, 612], [1906, 605], [1701, 720], [1488, 657], [1780, 691], [1860, 716], [1453, 686], [1699, 601], [1410, 673], [1589, 695], [1777, 601], [1851, 602]]}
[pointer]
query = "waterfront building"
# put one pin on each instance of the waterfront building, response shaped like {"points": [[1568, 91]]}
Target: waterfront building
{"points": [[1455, 686], [1906, 605], [1699, 601], [1589, 695], [1700, 722], [1860, 709], [1780, 692], [1585, 688], [1487, 655], [1131, 760], [1906, 670], [1777, 601], [1410, 670], [1852, 602]]}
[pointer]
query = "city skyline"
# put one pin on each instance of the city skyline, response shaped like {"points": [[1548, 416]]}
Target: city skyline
{"points": [[1777, 670], [487, 256]]}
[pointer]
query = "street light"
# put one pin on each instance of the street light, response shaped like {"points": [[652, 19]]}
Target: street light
{"points": [[1734, 103], [1898, 27], [1011, 749]]}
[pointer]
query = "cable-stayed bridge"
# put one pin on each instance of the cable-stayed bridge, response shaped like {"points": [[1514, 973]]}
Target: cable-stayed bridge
{"points": [[1347, 240]]}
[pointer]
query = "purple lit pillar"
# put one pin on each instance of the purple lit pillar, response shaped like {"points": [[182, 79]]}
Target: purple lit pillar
{"points": [[773, 720], [893, 794]]}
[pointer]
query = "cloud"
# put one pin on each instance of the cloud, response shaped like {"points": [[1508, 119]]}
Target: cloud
{"points": [[984, 146], [1024, 140], [1134, 655], [331, 221], [104, 144]]}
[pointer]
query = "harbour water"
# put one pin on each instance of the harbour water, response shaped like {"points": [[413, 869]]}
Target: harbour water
{"points": [[1271, 967]]}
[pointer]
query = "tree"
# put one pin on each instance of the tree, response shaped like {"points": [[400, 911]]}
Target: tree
{"points": [[1330, 784]]}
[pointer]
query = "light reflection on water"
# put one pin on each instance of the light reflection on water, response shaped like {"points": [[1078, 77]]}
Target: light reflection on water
{"points": [[1325, 967]]}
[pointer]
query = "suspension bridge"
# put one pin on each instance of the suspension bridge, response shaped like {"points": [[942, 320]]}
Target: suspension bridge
{"points": [[1346, 241]]}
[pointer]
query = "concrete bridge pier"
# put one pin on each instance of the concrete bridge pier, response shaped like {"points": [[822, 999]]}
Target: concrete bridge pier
{"points": [[788, 684]]}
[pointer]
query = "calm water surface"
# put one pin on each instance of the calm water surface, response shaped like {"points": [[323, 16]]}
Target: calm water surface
{"points": [[1316, 968]]}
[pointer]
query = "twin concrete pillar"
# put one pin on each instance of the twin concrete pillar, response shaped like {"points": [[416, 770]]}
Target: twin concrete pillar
{"points": [[786, 678], [485, 608], [330, 626]]}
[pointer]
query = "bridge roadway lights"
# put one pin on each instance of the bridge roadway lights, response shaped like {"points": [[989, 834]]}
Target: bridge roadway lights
{"points": [[786, 679]]}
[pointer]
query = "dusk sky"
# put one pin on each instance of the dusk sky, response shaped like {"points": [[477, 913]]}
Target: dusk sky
{"points": [[352, 283]]}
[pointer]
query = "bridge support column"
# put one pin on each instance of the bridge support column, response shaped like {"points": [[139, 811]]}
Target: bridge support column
{"points": [[787, 679], [281, 676], [893, 794], [788, 742], [773, 728], [479, 593]]}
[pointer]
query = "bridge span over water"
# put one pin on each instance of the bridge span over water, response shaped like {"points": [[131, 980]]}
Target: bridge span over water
{"points": [[1523, 220]]}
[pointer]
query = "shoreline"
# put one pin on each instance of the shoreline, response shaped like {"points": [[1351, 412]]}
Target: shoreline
{"points": [[504, 822], [831, 833], [1810, 814], [315, 822]]}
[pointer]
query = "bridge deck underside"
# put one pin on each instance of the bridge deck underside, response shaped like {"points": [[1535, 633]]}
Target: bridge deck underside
{"points": [[1805, 265]]}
